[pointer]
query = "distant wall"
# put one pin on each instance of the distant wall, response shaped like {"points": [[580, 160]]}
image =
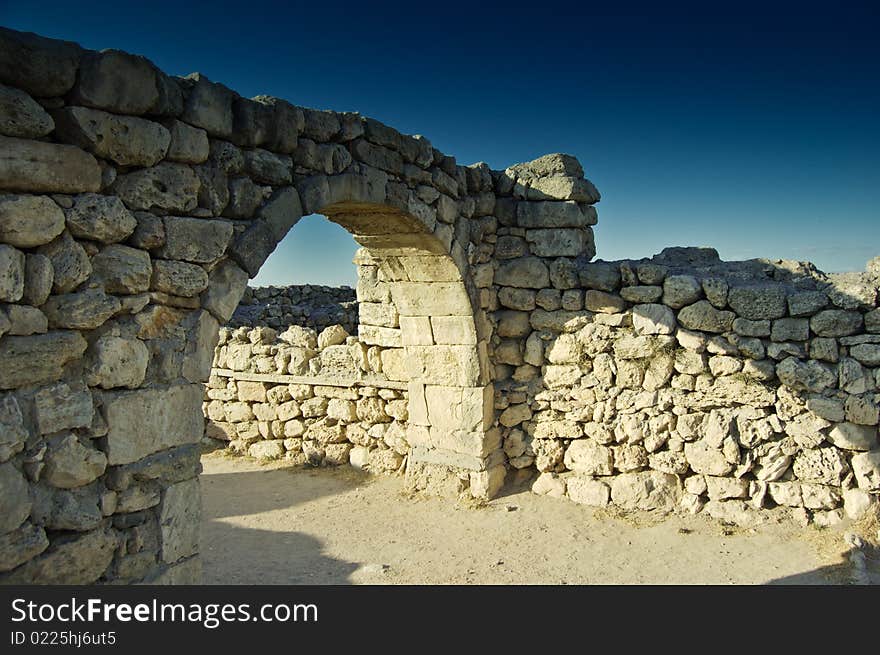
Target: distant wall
{"points": [[306, 305]]}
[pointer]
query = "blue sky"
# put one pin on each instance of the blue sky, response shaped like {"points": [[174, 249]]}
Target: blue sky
{"points": [[751, 128]]}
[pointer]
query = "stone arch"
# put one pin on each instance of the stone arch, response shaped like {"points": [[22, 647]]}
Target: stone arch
{"points": [[443, 329], [134, 208]]}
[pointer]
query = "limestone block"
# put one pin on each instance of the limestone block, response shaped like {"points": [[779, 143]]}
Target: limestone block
{"points": [[586, 456], [70, 263], [430, 299], [646, 490], [642, 294], [84, 310], [790, 329], [28, 221], [681, 290], [37, 166], [117, 81], [704, 317], [820, 465], [195, 240], [38, 359], [125, 140], [21, 116], [180, 520], [550, 484], [12, 268], [561, 242], [866, 467], [866, 353], [73, 559], [165, 187], [21, 545], [758, 302], [15, 504], [38, 278], [122, 269], [836, 323], [100, 218], [209, 106], [851, 436], [550, 214], [523, 272], [653, 319], [226, 284], [603, 303], [459, 408], [806, 303], [189, 145], [71, 464], [453, 330], [146, 421], [810, 376]]}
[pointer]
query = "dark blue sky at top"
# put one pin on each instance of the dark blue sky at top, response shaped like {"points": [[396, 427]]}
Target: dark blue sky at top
{"points": [[750, 127]]}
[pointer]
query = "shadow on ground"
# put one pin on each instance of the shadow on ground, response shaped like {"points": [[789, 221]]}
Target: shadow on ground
{"points": [[246, 536]]}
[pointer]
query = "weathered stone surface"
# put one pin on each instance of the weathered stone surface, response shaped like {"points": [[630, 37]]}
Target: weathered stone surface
{"points": [[100, 218], [226, 284], [71, 464], [38, 278], [61, 407], [586, 456], [646, 490], [790, 329], [84, 310], [117, 362], [116, 81], [20, 545], [189, 145], [209, 106], [253, 246], [561, 242], [123, 269], [195, 239], [149, 420], [29, 221], [866, 467], [836, 323], [12, 263], [126, 140], [79, 559], [180, 520], [178, 278], [26, 320], [70, 263], [281, 211], [15, 505], [820, 465], [550, 214], [603, 303], [149, 233], [703, 316], [46, 167], [524, 272], [642, 294], [681, 290], [866, 353], [653, 319], [165, 187], [850, 436], [806, 376], [758, 302], [587, 491], [43, 67], [806, 303], [38, 359], [13, 433]]}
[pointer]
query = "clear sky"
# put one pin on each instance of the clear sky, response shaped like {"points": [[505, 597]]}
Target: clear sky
{"points": [[751, 127]]}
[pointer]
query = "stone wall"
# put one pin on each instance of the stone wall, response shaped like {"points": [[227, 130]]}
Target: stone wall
{"points": [[309, 398], [136, 205], [307, 305], [684, 381]]}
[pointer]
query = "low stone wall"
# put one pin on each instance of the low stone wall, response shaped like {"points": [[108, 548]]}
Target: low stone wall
{"points": [[306, 397], [686, 381], [306, 305]]}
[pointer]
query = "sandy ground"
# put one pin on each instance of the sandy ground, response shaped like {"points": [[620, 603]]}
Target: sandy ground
{"points": [[277, 525]]}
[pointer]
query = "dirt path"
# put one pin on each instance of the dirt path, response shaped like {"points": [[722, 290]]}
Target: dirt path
{"points": [[276, 525]]}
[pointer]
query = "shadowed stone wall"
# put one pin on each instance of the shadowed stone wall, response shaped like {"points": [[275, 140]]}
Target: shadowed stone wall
{"points": [[136, 205]]}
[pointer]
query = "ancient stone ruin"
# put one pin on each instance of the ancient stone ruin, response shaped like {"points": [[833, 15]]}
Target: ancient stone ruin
{"points": [[135, 206]]}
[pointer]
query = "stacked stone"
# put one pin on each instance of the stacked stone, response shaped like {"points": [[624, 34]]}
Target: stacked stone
{"points": [[135, 207], [306, 305], [728, 387]]}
